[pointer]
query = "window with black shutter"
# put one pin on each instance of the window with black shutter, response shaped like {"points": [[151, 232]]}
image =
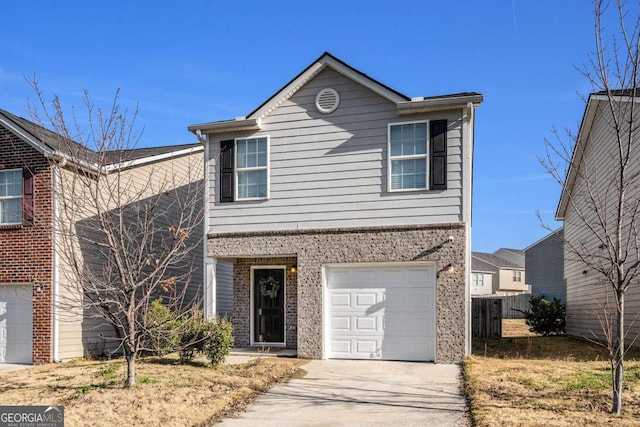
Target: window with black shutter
{"points": [[438, 155], [28, 202], [226, 171]]}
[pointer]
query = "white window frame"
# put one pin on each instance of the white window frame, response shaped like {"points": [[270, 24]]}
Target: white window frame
{"points": [[235, 168], [20, 197], [517, 276], [424, 156]]}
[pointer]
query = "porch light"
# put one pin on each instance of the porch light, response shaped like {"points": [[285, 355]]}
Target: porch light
{"points": [[293, 269], [450, 268]]}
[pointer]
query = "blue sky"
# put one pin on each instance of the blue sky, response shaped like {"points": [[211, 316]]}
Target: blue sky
{"points": [[196, 61]]}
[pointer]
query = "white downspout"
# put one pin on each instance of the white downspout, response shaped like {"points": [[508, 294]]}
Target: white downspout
{"points": [[56, 260], [467, 146], [209, 303]]}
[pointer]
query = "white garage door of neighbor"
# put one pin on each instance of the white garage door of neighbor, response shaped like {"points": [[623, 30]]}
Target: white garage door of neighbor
{"points": [[381, 313], [16, 323]]}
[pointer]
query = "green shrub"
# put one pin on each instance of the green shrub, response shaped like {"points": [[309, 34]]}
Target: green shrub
{"points": [[188, 333], [193, 332], [546, 317], [219, 341], [161, 336]]}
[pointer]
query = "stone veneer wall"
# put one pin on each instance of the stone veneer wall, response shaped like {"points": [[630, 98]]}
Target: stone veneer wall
{"points": [[26, 252], [315, 248]]}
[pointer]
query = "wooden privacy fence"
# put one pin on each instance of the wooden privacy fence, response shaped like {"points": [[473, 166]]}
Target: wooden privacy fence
{"points": [[487, 313], [512, 303], [486, 317]]}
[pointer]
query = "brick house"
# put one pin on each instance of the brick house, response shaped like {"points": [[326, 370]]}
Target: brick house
{"points": [[345, 209], [33, 328]]}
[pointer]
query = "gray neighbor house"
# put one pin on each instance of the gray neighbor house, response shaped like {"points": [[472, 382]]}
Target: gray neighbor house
{"points": [[544, 265], [344, 208]]}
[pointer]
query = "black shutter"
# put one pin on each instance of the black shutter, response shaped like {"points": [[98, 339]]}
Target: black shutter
{"points": [[27, 197], [438, 155], [226, 171]]}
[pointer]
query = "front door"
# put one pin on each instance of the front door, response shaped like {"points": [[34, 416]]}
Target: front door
{"points": [[268, 305]]}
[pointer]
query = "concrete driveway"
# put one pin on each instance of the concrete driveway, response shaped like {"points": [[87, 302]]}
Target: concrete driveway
{"points": [[8, 367], [362, 393]]}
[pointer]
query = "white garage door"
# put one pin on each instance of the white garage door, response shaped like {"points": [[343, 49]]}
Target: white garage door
{"points": [[381, 313], [16, 323]]}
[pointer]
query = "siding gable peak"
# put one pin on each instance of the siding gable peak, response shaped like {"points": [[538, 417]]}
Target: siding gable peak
{"points": [[326, 60]]}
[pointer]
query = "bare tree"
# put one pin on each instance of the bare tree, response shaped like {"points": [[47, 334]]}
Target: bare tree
{"points": [[600, 176], [126, 233]]}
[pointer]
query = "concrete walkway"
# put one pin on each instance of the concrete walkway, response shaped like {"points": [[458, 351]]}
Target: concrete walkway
{"points": [[362, 393], [8, 367]]}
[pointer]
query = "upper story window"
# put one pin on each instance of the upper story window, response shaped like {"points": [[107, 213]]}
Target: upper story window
{"points": [[244, 169], [11, 196], [418, 155], [408, 152], [251, 168], [478, 279], [517, 276]]}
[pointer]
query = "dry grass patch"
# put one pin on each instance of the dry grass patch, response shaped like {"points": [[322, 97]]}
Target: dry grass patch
{"points": [[166, 393], [516, 328], [559, 381]]}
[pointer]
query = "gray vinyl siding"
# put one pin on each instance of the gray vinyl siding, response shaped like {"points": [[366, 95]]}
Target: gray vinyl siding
{"points": [[330, 171], [224, 289], [585, 296], [544, 266]]}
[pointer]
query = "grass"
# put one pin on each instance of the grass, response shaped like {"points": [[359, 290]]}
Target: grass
{"points": [[528, 380], [166, 392]]}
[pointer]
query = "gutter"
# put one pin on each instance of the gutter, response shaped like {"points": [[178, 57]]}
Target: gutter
{"points": [[425, 105], [239, 124]]}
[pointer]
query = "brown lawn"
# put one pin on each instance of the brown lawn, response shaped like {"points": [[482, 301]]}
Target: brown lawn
{"points": [[528, 380], [165, 394]]}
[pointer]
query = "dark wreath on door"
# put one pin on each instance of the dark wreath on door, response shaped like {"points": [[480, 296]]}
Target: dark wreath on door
{"points": [[268, 305]]}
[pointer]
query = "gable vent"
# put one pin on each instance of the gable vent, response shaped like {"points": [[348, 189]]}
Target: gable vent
{"points": [[327, 100]]}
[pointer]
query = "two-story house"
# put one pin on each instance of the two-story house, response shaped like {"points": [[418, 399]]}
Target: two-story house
{"points": [[589, 207], [39, 322], [345, 208], [494, 275]]}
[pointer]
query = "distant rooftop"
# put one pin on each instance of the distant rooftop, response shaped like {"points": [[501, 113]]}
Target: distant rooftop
{"points": [[494, 260], [56, 142]]}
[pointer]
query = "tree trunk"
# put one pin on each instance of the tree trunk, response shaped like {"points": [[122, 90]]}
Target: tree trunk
{"points": [[131, 369], [618, 356], [130, 347]]}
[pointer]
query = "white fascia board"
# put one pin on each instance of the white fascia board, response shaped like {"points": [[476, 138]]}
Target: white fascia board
{"points": [[43, 148], [240, 124], [324, 62], [288, 91], [438, 104], [578, 152], [25, 136], [363, 80], [149, 159]]}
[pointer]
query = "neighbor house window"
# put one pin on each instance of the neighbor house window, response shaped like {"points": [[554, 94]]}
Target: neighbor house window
{"points": [[11, 196], [517, 276], [478, 280], [251, 168], [408, 154]]}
